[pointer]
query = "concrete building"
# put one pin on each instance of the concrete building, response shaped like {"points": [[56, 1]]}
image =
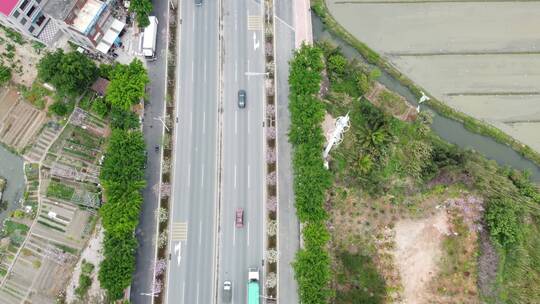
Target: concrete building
{"points": [[88, 23]]}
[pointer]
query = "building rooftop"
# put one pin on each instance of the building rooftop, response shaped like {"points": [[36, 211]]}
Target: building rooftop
{"points": [[88, 15], [100, 86], [7, 6], [59, 9]]}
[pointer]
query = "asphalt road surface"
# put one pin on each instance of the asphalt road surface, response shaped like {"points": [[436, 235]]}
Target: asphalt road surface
{"points": [[243, 158], [191, 269], [289, 230], [153, 130]]}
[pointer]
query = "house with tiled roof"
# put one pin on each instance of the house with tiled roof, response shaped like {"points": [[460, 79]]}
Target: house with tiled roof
{"points": [[88, 23]]}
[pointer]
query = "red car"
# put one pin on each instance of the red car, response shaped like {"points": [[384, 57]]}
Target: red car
{"points": [[239, 218]]}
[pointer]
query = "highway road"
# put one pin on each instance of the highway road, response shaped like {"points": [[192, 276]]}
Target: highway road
{"points": [[191, 271], [243, 158]]}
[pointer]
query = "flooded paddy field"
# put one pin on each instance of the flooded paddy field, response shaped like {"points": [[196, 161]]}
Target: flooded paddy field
{"points": [[482, 58]]}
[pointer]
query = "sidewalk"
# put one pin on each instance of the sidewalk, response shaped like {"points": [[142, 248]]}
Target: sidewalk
{"points": [[302, 22]]}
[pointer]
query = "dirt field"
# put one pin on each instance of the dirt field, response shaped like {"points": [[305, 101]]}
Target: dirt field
{"points": [[417, 253], [23, 64], [19, 121], [481, 58]]}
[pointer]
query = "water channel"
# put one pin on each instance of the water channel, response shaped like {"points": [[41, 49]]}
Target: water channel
{"points": [[448, 129], [12, 169]]}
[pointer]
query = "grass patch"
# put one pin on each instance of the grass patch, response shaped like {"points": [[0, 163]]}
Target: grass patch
{"points": [[361, 281], [36, 95]]}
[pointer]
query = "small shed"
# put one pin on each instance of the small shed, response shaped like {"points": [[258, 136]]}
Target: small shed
{"points": [[100, 86]]}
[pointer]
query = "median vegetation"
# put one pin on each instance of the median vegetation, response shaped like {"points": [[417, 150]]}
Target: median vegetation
{"points": [[311, 179]]}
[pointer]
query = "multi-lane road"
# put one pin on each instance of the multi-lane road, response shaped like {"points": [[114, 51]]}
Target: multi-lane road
{"points": [[219, 163], [191, 271], [243, 158]]}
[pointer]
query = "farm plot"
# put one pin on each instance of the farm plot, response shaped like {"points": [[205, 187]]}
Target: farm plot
{"points": [[77, 148], [19, 121], [478, 57]]}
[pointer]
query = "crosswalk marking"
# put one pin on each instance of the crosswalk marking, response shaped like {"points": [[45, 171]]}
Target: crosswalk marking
{"points": [[255, 23], [179, 231]]}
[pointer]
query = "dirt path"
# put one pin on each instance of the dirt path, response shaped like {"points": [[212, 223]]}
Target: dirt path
{"points": [[417, 252]]}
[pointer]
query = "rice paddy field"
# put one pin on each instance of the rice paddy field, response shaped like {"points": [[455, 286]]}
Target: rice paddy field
{"points": [[482, 58]]}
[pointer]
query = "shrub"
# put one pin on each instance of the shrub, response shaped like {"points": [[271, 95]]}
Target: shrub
{"points": [[100, 107], [503, 218], [58, 108]]}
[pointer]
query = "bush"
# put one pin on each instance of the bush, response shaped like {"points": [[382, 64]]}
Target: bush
{"points": [[503, 218], [5, 74], [125, 120], [58, 108], [100, 107]]}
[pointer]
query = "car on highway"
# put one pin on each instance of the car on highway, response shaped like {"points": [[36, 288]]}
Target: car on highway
{"points": [[239, 218], [198, 2], [227, 291], [241, 99]]}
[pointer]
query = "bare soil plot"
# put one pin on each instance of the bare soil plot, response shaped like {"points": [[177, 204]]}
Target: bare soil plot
{"points": [[479, 57], [19, 121], [22, 59], [417, 253]]}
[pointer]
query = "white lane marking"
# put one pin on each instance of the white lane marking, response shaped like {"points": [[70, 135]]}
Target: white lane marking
{"points": [[183, 291], [255, 42], [197, 292], [178, 252], [204, 122], [235, 121], [249, 128], [248, 177], [205, 71], [193, 23], [248, 234], [200, 233], [190, 121], [235, 176], [234, 234], [192, 70], [189, 175], [236, 71], [202, 176]]}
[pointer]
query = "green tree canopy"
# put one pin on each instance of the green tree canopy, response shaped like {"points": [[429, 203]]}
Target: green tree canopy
{"points": [[142, 8], [70, 73], [127, 85]]}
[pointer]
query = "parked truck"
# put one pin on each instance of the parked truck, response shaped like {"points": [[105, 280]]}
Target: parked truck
{"points": [[149, 39], [253, 286]]}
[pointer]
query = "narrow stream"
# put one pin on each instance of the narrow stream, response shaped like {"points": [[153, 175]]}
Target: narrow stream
{"points": [[449, 130], [11, 168]]}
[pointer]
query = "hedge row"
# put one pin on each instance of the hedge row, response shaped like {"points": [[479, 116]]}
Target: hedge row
{"points": [[311, 179], [122, 177]]}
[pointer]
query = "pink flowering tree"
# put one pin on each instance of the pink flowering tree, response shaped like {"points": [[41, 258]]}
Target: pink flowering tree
{"points": [[271, 155], [271, 204]]}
